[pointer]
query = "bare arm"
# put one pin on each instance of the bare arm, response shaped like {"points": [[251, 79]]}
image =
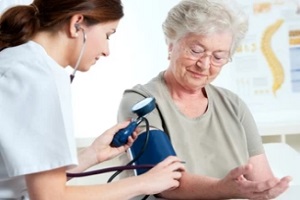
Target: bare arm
{"points": [[52, 184], [202, 187], [262, 172], [234, 185], [261, 169]]}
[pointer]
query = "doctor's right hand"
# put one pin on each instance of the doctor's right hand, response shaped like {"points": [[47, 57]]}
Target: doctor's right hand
{"points": [[164, 176]]}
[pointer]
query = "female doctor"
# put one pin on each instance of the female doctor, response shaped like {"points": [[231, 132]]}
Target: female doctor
{"points": [[37, 146]]}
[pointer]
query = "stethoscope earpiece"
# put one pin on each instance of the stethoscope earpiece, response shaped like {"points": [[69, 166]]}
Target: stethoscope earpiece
{"points": [[78, 28]]}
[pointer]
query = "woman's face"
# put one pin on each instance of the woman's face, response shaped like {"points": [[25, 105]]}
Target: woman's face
{"points": [[196, 60], [97, 37]]}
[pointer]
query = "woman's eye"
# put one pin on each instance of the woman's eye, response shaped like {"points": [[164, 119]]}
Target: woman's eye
{"points": [[197, 51], [219, 57]]}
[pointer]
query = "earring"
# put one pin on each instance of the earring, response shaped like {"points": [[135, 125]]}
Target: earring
{"points": [[169, 55], [75, 34]]}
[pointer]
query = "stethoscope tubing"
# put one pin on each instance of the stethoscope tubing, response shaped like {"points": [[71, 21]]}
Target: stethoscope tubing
{"points": [[84, 37], [109, 169]]}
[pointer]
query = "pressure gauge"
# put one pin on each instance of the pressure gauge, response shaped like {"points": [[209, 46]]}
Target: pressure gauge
{"points": [[144, 106], [141, 108]]}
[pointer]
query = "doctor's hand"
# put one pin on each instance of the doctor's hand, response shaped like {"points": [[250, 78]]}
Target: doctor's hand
{"points": [[164, 176], [100, 150], [236, 185], [101, 145]]}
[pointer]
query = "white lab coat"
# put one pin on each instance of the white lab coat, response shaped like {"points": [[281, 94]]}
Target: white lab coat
{"points": [[36, 126]]}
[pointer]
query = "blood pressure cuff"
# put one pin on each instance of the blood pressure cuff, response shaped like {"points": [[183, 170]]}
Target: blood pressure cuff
{"points": [[158, 147]]}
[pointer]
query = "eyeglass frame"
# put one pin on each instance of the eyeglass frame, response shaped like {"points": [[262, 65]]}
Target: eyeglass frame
{"points": [[203, 54]]}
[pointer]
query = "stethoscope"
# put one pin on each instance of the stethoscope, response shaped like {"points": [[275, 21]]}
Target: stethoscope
{"points": [[141, 109], [84, 37]]}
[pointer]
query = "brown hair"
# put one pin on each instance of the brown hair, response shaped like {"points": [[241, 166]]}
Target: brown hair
{"points": [[18, 24]]}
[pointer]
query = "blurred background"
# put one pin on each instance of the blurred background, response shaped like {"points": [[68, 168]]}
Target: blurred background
{"points": [[138, 52]]}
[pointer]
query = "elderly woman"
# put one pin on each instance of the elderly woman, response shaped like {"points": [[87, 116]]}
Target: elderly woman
{"points": [[37, 145], [210, 127]]}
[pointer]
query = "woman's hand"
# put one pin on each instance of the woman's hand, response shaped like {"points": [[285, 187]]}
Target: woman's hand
{"points": [[237, 185]]}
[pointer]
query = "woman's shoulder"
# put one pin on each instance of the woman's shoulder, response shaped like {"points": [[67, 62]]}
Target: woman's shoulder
{"points": [[226, 97], [149, 88], [222, 92]]}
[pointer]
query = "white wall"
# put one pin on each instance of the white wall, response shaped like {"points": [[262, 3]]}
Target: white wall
{"points": [[4, 4], [138, 52]]}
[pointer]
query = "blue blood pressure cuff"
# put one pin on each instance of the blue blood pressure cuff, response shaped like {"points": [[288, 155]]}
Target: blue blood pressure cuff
{"points": [[158, 147]]}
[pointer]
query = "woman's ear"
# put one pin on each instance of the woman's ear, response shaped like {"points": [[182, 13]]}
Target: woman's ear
{"points": [[74, 26], [170, 48]]}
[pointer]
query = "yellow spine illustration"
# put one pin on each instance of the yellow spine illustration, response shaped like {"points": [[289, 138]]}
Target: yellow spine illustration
{"points": [[273, 61]]}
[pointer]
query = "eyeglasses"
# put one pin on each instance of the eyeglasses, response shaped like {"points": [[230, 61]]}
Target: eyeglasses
{"points": [[217, 58]]}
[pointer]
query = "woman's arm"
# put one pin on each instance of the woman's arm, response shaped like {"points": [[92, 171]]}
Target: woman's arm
{"points": [[233, 185], [262, 172], [261, 169]]}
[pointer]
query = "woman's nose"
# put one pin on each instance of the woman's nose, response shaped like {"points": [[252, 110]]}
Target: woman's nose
{"points": [[204, 62]]}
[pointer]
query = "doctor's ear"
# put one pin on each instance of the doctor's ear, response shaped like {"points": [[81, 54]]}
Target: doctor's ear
{"points": [[75, 24], [77, 27]]}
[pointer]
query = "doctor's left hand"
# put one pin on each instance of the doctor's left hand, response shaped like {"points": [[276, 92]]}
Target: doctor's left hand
{"points": [[101, 145], [100, 150]]}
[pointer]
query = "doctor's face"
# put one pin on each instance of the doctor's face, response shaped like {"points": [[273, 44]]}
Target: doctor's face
{"points": [[97, 45]]}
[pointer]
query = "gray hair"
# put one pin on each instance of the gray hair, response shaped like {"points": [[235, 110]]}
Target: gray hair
{"points": [[206, 17]]}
